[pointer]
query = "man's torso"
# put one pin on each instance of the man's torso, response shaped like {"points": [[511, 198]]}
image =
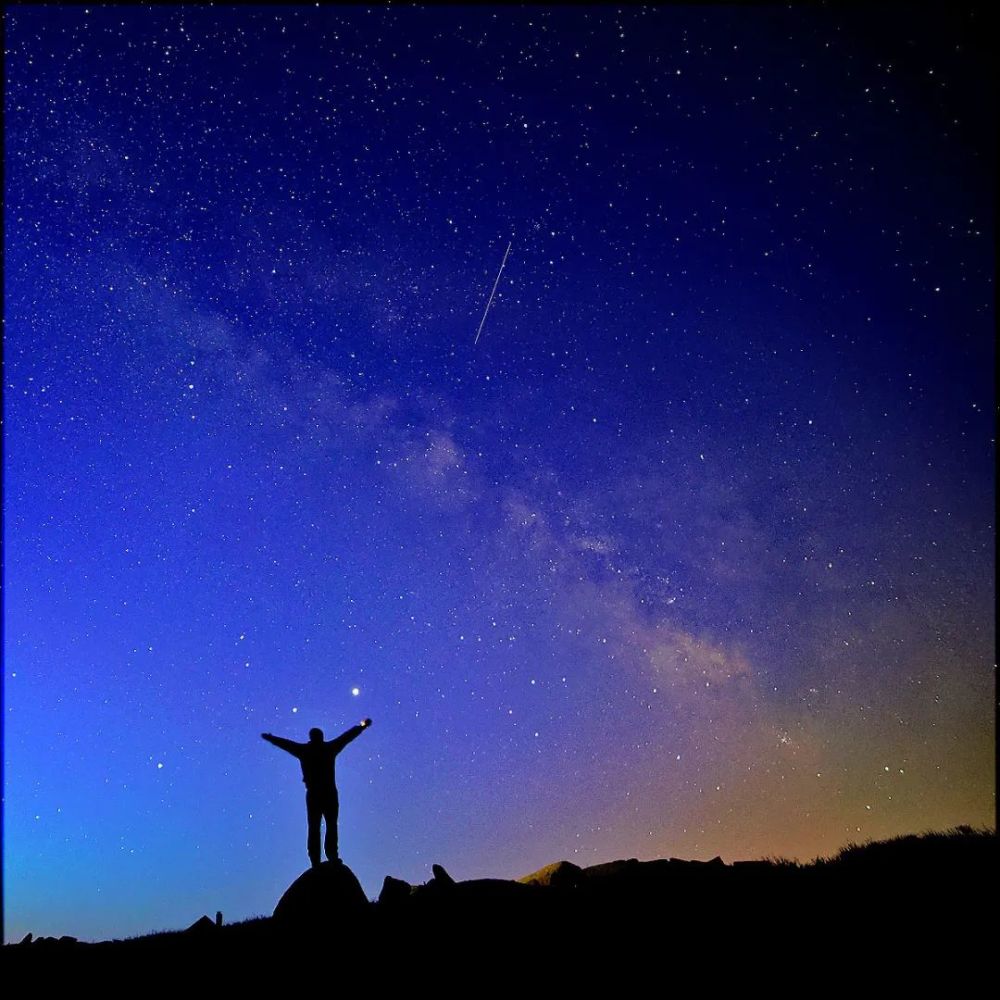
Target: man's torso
{"points": [[317, 766]]}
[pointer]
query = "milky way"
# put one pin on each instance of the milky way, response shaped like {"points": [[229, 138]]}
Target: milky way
{"points": [[691, 554]]}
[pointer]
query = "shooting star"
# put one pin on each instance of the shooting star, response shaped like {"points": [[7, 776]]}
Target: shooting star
{"points": [[490, 302]]}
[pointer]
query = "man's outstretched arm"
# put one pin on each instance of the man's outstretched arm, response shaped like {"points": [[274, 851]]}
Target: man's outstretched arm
{"points": [[279, 741], [352, 734]]}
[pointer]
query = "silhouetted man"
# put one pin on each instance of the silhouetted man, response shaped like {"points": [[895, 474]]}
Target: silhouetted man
{"points": [[317, 760]]}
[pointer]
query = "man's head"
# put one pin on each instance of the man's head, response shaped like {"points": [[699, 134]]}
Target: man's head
{"points": [[316, 735]]}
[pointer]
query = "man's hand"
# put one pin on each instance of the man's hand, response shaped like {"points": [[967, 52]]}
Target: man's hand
{"points": [[365, 723]]}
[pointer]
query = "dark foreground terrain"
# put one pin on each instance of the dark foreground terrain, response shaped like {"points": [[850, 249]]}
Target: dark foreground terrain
{"points": [[918, 909]]}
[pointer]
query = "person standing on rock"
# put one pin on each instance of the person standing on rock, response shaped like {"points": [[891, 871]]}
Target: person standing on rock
{"points": [[316, 758]]}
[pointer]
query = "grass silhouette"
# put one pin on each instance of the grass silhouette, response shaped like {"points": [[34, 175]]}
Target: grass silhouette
{"points": [[914, 893]]}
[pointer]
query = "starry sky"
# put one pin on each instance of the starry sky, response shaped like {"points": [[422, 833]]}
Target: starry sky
{"points": [[692, 553]]}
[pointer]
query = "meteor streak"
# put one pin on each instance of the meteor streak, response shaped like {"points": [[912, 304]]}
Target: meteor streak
{"points": [[490, 302]]}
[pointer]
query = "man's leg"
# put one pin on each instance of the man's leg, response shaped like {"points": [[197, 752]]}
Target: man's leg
{"points": [[331, 812], [314, 814]]}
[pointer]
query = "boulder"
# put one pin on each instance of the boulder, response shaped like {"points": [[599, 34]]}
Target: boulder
{"points": [[628, 868], [560, 874], [441, 876], [203, 925], [61, 943], [715, 865], [394, 891], [328, 895], [439, 886]]}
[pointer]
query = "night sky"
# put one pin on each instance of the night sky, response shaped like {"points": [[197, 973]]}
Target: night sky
{"points": [[691, 554]]}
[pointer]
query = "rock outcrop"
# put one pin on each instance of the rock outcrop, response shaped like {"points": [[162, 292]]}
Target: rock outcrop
{"points": [[327, 896], [203, 925], [558, 875]]}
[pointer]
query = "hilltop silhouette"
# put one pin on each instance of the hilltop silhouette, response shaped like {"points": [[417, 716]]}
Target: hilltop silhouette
{"points": [[564, 922]]}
